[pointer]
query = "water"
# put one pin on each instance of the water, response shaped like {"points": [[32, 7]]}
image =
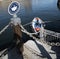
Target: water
{"points": [[47, 10]]}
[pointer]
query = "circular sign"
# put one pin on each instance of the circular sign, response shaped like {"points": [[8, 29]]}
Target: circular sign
{"points": [[14, 8]]}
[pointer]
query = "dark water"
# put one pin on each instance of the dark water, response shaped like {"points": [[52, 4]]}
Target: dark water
{"points": [[47, 10]]}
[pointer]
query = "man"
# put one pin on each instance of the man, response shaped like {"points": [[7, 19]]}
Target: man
{"points": [[16, 25]]}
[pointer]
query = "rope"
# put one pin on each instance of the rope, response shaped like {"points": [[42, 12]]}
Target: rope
{"points": [[47, 32], [41, 40], [27, 24], [8, 26], [2, 53], [30, 34], [4, 29]]}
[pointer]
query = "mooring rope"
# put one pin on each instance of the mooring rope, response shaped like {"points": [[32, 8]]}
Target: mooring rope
{"points": [[30, 34], [8, 26], [4, 29], [27, 24]]}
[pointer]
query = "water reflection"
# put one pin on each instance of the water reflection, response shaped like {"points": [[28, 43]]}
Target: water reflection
{"points": [[0, 5], [58, 4], [28, 5], [5, 4], [41, 5]]}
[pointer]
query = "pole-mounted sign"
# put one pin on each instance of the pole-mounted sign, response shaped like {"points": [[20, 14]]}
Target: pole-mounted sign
{"points": [[14, 8]]}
